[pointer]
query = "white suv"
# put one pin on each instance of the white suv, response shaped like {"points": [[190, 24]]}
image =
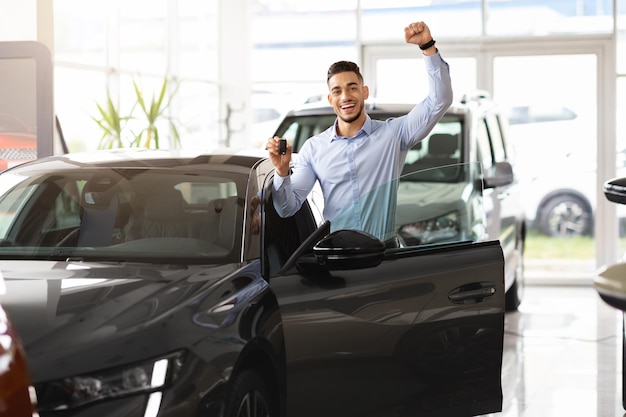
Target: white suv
{"points": [[461, 169], [556, 160]]}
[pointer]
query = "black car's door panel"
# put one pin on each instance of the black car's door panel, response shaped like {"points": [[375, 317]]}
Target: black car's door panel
{"points": [[418, 335]]}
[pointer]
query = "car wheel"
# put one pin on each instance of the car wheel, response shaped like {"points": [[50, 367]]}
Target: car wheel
{"points": [[565, 216], [249, 396]]}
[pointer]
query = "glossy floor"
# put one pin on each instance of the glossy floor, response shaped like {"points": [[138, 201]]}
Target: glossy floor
{"points": [[562, 355]]}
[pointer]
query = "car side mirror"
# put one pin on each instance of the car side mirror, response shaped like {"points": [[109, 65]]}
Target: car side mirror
{"points": [[609, 284], [615, 190], [502, 174], [349, 249]]}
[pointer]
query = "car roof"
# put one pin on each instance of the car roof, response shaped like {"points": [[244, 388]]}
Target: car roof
{"points": [[149, 158]]}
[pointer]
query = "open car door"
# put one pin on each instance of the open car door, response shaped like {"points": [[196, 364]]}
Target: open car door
{"points": [[415, 330]]}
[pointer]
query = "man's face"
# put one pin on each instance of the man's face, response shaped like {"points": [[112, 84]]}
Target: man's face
{"points": [[347, 95]]}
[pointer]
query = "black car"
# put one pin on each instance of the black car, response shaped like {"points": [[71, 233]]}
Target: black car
{"points": [[153, 283]]}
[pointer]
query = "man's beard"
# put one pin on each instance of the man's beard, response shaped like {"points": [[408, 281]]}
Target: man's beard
{"points": [[353, 118]]}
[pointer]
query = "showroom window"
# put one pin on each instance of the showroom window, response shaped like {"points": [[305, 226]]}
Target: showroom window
{"points": [[104, 47]]}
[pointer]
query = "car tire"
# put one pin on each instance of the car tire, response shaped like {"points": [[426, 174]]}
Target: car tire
{"points": [[565, 216], [249, 396]]}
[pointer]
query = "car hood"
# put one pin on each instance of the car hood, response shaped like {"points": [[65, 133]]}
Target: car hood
{"points": [[65, 310]]}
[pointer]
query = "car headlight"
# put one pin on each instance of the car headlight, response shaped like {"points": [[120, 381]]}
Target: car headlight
{"points": [[437, 229], [110, 383]]}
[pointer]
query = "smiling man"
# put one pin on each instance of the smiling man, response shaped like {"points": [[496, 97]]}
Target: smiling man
{"points": [[358, 159]]}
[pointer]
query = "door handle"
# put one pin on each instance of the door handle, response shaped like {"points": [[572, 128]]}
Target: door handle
{"points": [[472, 293]]}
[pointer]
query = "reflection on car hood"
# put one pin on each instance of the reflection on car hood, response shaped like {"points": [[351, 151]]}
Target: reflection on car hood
{"points": [[64, 309]]}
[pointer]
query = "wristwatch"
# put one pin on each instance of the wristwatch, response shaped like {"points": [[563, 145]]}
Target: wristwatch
{"points": [[427, 45]]}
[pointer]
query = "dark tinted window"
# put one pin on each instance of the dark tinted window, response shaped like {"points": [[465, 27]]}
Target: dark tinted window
{"points": [[442, 148]]}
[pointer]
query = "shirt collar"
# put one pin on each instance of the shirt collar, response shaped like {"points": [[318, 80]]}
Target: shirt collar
{"points": [[366, 129]]}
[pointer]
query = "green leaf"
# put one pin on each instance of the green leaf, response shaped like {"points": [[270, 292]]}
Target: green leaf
{"points": [[113, 124]]}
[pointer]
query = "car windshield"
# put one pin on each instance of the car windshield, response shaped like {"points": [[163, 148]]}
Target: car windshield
{"points": [[121, 215]]}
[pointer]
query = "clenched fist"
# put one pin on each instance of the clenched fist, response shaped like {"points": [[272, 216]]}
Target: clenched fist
{"points": [[417, 33]]}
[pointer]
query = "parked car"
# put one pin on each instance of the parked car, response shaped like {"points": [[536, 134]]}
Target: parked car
{"points": [[16, 397], [556, 160], [18, 141], [469, 142], [611, 280], [163, 284]]}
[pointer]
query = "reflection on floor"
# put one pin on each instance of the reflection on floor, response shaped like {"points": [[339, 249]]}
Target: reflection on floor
{"points": [[562, 355]]}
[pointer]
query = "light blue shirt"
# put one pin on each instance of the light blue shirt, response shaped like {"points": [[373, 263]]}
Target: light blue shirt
{"points": [[358, 175]]}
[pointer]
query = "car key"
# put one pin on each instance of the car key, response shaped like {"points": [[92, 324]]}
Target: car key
{"points": [[282, 146]]}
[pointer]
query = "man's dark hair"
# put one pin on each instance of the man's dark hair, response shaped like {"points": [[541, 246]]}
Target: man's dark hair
{"points": [[344, 66]]}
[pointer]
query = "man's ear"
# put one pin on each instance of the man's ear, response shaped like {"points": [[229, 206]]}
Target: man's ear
{"points": [[329, 101], [366, 92]]}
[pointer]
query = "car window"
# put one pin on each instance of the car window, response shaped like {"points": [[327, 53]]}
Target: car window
{"points": [[283, 235], [443, 146], [424, 207], [501, 124], [495, 136], [434, 205], [298, 129], [424, 210], [485, 152], [129, 214]]}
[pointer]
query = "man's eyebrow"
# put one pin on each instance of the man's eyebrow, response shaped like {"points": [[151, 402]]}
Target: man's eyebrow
{"points": [[351, 84]]}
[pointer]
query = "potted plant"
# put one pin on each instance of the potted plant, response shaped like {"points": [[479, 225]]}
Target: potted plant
{"points": [[114, 124]]}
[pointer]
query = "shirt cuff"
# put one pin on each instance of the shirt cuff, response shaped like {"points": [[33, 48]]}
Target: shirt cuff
{"points": [[280, 182], [434, 61]]}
